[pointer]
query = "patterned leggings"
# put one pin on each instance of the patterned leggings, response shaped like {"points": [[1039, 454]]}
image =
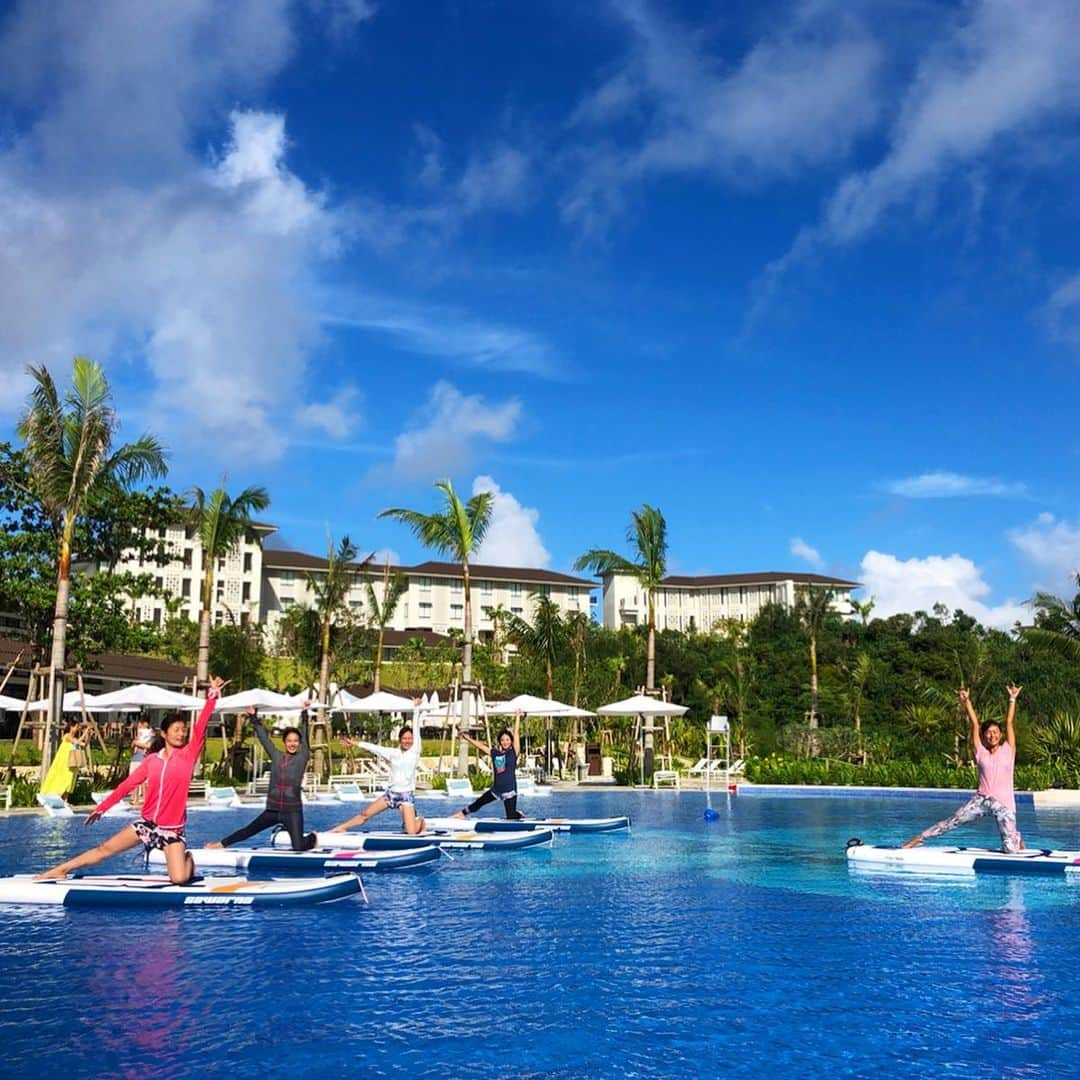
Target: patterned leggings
{"points": [[976, 807]]}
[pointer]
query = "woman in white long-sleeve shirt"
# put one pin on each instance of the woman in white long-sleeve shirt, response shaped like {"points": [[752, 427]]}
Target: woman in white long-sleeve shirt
{"points": [[400, 791]]}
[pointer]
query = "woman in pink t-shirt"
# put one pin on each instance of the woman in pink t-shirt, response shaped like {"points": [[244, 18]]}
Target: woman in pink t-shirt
{"points": [[995, 758]]}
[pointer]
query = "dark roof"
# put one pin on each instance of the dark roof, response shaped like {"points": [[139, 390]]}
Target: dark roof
{"points": [[707, 580], [500, 573], [396, 638], [113, 667], [298, 560]]}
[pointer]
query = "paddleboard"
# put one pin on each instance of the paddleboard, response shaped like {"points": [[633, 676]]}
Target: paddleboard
{"points": [[505, 825], [316, 861], [927, 859], [453, 840], [140, 890]]}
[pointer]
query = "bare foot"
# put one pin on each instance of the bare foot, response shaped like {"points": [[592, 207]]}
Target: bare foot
{"points": [[459, 814], [915, 841], [214, 844]]}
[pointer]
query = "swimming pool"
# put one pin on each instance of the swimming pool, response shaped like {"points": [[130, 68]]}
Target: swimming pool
{"points": [[741, 947]]}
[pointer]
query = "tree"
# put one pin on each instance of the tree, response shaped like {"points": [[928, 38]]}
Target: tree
{"points": [[70, 453], [222, 523], [1057, 623], [813, 608], [863, 609], [456, 530], [498, 616], [381, 612], [331, 592], [647, 535]]}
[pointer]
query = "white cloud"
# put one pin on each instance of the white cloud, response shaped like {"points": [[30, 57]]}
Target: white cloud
{"points": [[1053, 547], [945, 485], [512, 538], [445, 433], [802, 550], [338, 418], [908, 585], [1062, 312], [1003, 73], [800, 96], [120, 239]]}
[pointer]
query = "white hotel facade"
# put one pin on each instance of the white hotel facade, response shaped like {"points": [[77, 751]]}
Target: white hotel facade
{"points": [[260, 585]]}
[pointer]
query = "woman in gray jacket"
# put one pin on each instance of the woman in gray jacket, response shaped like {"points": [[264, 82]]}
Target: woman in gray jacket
{"points": [[284, 806]]}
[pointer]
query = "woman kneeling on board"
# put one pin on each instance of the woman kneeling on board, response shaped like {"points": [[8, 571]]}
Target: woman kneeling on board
{"points": [[504, 757], [167, 775], [995, 759], [284, 805], [399, 795]]}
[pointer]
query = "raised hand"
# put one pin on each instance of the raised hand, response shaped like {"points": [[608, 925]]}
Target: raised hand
{"points": [[217, 684], [1013, 691], [964, 695]]}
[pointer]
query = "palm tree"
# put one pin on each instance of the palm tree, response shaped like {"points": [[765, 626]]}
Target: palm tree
{"points": [[499, 616], [456, 530], [330, 590], [813, 608], [69, 449], [222, 522], [543, 638], [1057, 623], [381, 612], [863, 609], [647, 535], [577, 630]]}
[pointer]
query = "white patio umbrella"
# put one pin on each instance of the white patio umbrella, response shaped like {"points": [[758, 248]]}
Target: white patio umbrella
{"points": [[73, 702], [640, 705], [531, 705], [261, 699], [376, 703], [147, 696], [10, 703]]}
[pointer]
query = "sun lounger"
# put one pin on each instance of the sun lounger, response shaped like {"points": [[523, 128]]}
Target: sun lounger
{"points": [[666, 778], [55, 806], [222, 798], [459, 787]]}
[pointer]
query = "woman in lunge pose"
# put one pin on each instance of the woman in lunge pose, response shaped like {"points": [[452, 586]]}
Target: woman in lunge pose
{"points": [[167, 775], [995, 757], [504, 757], [284, 805], [400, 790]]}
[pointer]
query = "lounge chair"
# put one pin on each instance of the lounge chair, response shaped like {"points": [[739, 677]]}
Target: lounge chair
{"points": [[55, 806], [459, 787], [346, 790], [222, 798], [666, 778]]}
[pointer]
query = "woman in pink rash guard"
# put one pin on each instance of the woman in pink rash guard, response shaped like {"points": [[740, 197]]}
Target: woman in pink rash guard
{"points": [[167, 775], [995, 758]]}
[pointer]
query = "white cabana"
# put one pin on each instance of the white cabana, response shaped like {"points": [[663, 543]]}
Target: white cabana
{"points": [[261, 699], [640, 705], [147, 696]]}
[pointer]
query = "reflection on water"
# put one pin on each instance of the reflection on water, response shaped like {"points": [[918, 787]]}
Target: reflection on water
{"points": [[743, 943]]}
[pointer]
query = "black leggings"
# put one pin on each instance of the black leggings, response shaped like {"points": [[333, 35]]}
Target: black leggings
{"points": [[291, 820], [509, 805]]}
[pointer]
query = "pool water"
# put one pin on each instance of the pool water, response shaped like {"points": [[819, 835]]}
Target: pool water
{"points": [[742, 947]]}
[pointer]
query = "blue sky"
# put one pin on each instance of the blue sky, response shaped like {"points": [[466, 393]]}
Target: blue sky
{"points": [[803, 275]]}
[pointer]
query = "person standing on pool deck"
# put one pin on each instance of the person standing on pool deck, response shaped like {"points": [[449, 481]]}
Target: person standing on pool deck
{"points": [[284, 805], [504, 757], [995, 758], [167, 775], [403, 760]]}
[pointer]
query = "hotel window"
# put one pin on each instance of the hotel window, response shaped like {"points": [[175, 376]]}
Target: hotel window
{"points": [[425, 587], [515, 611], [485, 588], [544, 591], [457, 612], [457, 586], [572, 591], [515, 588], [425, 610], [247, 562], [287, 602], [287, 577], [187, 558], [185, 587], [246, 595]]}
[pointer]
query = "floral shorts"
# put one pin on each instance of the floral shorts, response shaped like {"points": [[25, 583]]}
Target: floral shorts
{"points": [[394, 799], [155, 837]]}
